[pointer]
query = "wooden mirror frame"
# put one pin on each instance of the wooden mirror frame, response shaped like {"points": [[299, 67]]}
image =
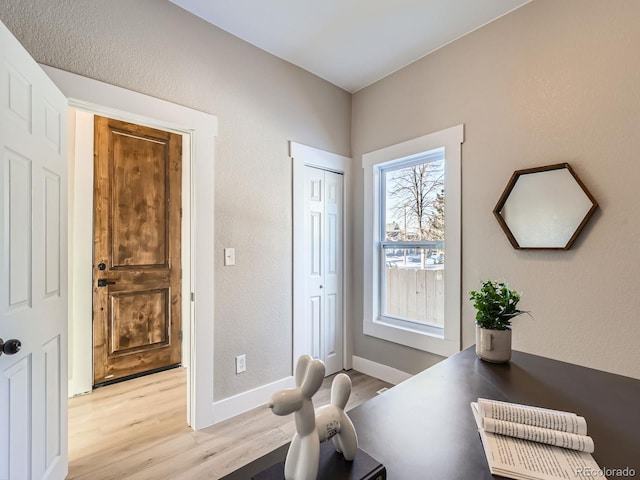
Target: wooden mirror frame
{"points": [[497, 211]]}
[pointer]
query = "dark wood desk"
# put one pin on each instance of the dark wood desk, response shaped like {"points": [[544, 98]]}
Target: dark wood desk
{"points": [[424, 428]]}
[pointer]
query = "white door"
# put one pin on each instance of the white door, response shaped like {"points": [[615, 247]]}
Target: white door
{"points": [[33, 268], [323, 265]]}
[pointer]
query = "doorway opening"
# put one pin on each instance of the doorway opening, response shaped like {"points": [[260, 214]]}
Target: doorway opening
{"points": [[83, 264]]}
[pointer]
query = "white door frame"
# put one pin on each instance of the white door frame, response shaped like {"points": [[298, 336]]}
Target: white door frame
{"points": [[201, 128], [301, 156]]}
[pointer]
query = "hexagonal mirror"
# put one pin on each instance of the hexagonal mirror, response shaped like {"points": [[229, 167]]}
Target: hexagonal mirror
{"points": [[544, 208]]}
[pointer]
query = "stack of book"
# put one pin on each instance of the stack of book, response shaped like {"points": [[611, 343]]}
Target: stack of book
{"points": [[532, 443]]}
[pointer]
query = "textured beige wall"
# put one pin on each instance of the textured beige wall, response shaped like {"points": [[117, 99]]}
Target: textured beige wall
{"points": [[261, 102], [551, 82]]}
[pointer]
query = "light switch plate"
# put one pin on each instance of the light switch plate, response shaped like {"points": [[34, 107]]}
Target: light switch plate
{"points": [[229, 256]]}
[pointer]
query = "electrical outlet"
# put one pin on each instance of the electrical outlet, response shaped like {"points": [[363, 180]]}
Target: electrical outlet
{"points": [[241, 363]]}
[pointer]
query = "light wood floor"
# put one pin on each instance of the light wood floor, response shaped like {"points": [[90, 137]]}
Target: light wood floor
{"points": [[137, 430]]}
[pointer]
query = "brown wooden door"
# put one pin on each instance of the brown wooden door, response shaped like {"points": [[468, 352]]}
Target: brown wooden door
{"points": [[137, 210]]}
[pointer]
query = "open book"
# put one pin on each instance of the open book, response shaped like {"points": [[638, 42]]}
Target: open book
{"points": [[532, 443]]}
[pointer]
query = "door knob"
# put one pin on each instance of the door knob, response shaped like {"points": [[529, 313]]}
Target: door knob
{"points": [[102, 282], [10, 347]]}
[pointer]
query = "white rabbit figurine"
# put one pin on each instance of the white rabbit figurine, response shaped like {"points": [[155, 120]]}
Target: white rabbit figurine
{"points": [[331, 420]]}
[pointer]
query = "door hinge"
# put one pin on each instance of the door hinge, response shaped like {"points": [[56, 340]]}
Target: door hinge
{"points": [[193, 296], [180, 335]]}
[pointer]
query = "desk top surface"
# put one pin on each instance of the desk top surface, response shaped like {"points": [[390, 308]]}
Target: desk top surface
{"points": [[424, 427]]}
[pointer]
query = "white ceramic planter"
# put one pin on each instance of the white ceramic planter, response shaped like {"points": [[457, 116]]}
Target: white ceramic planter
{"points": [[493, 345]]}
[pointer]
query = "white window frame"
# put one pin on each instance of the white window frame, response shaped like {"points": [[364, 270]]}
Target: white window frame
{"points": [[374, 324]]}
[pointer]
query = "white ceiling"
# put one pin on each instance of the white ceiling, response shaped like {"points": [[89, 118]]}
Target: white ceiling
{"points": [[350, 43]]}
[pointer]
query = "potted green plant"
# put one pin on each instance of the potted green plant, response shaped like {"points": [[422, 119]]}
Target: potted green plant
{"points": [[496, 306]]}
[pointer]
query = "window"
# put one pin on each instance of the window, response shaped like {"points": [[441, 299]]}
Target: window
{"points": [[412, 242]]}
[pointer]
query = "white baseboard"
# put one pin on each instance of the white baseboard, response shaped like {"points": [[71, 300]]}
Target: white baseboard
{"points": [[237, 404], [232, 406], [380, 371]]}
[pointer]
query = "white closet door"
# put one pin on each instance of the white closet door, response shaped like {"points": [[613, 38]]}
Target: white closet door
{"points": [[323, 265]]}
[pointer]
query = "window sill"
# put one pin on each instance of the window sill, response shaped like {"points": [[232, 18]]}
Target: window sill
{"points": [[411, 337]]}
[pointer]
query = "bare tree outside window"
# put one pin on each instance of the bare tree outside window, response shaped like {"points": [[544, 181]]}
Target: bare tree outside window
{"points": [[415, 202], [414, 242]]}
